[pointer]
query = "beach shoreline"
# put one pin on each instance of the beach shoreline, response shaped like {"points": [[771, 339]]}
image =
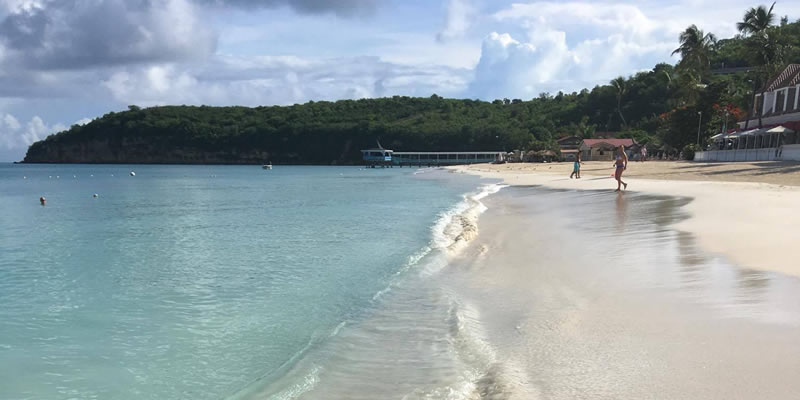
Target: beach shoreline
{"points": [[736, 214]]}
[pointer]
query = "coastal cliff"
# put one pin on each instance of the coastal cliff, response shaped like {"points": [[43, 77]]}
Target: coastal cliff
{"points": [[137, 151]]}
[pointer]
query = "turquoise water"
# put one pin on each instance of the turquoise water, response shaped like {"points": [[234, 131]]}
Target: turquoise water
{"points": [[199, 281]]}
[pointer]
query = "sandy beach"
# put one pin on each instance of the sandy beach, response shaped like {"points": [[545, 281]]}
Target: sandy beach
{"points": [[593, 295], [746, 213]]}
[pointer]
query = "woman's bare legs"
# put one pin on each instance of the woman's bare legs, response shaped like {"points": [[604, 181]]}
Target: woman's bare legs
{"points": [[618, 176]]}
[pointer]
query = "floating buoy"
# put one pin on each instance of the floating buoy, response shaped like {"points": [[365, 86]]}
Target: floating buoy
{"points": [[133, 173], [95, 195], [24, 177], [42, 200]]}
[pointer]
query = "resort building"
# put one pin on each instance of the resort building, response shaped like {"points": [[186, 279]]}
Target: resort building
{"points": [[772, 136], [778, 101], [603, 149], [569, 147]]}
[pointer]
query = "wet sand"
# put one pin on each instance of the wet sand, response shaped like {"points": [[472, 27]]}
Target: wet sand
{"points": [[593, 295], [747, 213]]}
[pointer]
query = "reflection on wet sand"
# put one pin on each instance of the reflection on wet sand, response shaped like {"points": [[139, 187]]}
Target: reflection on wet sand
{"points": [[624, 306], [753, 286], [622, 211]]}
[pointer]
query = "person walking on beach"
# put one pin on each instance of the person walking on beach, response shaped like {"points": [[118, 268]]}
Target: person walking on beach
{"points": [[622, 164], [576, 167]]}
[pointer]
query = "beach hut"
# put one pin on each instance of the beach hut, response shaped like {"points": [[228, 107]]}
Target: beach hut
{"points": [[542, 156], [666, 152]]}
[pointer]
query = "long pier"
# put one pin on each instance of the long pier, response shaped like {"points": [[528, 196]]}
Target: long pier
{"points": [[437, 158], [387, 158]]}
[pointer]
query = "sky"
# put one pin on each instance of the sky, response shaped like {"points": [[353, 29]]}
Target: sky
{"points": [[65, 62]]}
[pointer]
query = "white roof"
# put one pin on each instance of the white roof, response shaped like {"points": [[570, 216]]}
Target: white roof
{"points": [[752, 132], [780, 129]]}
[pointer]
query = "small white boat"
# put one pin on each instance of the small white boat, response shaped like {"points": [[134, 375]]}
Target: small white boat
{"points": [[267, 166]]}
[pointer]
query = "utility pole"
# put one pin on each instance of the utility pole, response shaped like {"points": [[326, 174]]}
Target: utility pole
{"points": [[725, 129], [700, 121]]}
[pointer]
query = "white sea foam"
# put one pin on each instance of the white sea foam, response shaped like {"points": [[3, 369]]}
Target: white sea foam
{"points": [[412, 260], [303, 386], [338, 328], [484, 375], [458, 226]]}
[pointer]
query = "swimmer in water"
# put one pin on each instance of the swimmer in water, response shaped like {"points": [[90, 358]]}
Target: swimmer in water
{"points": [[42, 200]]}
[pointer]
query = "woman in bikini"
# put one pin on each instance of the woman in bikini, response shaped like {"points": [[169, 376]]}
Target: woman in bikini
{"points": [[621, 163]]}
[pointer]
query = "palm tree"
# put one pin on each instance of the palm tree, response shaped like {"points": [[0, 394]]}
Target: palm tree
{"points": [[757, 23], [695, 49], [756, 20], [619, 84]]}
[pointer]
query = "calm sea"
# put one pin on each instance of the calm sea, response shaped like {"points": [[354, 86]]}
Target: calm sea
{"points": [[210, 282]]}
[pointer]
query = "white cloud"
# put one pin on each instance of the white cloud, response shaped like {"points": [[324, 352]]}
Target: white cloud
{"points": [[346, 8], [458, 18], [14, 135], [256, 81], [10, 122], [83, 121], [58, 35], [600, 16], [510, 68], [570, 46]]}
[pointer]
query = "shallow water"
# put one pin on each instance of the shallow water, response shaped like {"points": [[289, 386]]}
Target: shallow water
{"points": [[194, 281]]}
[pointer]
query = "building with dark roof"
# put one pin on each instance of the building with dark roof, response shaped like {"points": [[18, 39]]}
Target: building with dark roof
{"points": [[778, 102], [771, 132]]}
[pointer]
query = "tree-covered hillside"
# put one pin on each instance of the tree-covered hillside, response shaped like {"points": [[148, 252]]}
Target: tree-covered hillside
{"points": [[657, 106]]}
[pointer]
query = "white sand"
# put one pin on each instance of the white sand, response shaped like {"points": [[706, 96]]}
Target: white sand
{"points": [[754, 225]]}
